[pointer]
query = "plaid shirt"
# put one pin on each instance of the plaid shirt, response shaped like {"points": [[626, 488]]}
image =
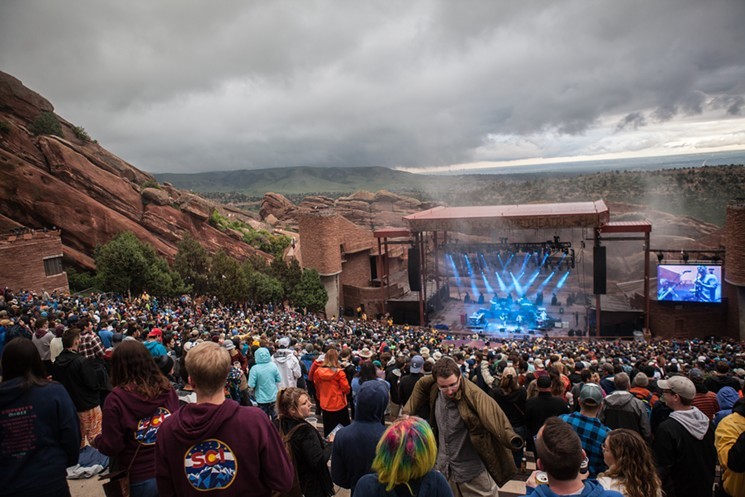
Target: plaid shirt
{"points": [[592, 433], [90, 346]]}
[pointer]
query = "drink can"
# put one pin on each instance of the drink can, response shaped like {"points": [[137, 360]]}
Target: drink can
{"points": [[541, 477]]}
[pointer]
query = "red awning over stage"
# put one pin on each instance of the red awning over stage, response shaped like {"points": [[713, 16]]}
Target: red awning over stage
{"points": [[486, 219]]}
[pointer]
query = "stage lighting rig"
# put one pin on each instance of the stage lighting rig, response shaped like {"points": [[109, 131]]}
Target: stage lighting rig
{"points": [[688, 256]]}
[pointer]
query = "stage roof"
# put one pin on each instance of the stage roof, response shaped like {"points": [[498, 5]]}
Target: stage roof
{"points": [[391, 232], [488, 218]]}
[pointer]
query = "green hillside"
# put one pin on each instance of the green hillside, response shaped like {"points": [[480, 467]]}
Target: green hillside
{"points": [[701, 192], [294, 180]]}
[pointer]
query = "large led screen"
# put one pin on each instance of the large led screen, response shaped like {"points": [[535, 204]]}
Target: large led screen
{"points": [[689, 283]]}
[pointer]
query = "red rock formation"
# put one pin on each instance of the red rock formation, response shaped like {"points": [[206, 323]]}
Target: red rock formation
{"points": [[365, 209], [88, 192], [276, 205]]}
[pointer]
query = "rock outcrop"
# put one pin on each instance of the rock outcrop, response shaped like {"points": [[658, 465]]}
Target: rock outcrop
{"points": [[363, 208], [89, 193], [276, 205]]}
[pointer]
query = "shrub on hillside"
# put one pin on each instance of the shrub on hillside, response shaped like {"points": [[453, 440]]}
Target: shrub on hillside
{"points": [[217, 220], [81, 134], [46, 124], [151, 183]]}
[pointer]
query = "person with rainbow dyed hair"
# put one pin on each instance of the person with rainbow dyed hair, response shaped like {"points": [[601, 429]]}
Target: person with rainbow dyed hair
{"points": [[404, 462]]}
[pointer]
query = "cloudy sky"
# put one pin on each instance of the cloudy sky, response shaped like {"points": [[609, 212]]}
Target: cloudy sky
{"points": [[192, 85]]}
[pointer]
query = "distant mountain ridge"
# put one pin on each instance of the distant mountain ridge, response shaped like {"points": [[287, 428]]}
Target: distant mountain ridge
{"points": [[294, 180], [700, 192]]}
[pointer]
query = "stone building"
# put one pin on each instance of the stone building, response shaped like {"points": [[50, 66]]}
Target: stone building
{"points": [[347, 258], [32, 260]]}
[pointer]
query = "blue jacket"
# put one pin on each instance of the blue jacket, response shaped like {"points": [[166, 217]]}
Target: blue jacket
{"points": [[40, 428], [726, 397], [263, 377], [354, 445], [155, 348], [592, 489]]}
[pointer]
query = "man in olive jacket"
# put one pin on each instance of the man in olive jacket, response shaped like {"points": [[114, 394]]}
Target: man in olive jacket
{"points": [[474, 437]]}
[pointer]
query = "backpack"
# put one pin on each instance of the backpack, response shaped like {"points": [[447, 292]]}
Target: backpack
{"points": [[296, 490], [477, 378], [647, 401], [234, 382], [303, 380]]}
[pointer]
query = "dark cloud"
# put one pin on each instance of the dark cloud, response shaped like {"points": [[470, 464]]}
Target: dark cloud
{"points": [[189, 85], [635, 120], [733, 104]]}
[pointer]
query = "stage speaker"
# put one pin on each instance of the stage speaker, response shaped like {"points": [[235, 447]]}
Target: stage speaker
{"points": [[415, 280], [599, 271]]}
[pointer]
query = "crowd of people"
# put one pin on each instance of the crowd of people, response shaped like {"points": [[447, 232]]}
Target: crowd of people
{"points": [[189, 395]]}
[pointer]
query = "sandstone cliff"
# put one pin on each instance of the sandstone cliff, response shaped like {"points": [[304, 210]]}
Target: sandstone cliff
{"points": [[363, 208], [89, 193]]}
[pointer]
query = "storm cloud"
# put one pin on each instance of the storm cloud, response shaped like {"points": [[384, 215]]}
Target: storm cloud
{"points": [[188, 85]]}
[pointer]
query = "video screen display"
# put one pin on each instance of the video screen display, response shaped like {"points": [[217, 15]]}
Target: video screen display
{"points": [[689, 283]]}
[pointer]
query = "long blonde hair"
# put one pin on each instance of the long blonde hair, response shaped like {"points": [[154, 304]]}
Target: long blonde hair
{"points": [[508, 383], [331, 359], [634, 466]]}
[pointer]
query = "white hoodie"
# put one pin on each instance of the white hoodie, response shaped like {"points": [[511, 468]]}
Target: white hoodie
{"points": [[289, 367]]}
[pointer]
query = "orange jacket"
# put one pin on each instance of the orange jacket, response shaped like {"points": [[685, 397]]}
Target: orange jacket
{"points": [[332, 387]]}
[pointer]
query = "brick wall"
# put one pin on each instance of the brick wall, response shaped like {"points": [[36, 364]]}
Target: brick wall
{"points": [[369, 297], [687, 320], [356, 269], [323, 234], [320, 241], [734, 239], [354, 237], [325, 237], [22, 261]]}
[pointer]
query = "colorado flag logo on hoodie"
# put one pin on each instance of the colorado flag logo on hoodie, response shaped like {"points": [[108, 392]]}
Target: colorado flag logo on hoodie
{"points": [[210, 464], [147, 428]]}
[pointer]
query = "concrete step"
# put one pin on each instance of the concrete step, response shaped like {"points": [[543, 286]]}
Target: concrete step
{"points": [[512, 488]]}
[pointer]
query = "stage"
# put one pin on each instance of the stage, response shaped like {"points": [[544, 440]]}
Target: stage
{"points": [[455, 316]]}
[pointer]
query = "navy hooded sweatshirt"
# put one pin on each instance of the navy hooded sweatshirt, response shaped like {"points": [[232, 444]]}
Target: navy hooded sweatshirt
{"points": [[354, 445], [226, 448], [39, 439]]}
